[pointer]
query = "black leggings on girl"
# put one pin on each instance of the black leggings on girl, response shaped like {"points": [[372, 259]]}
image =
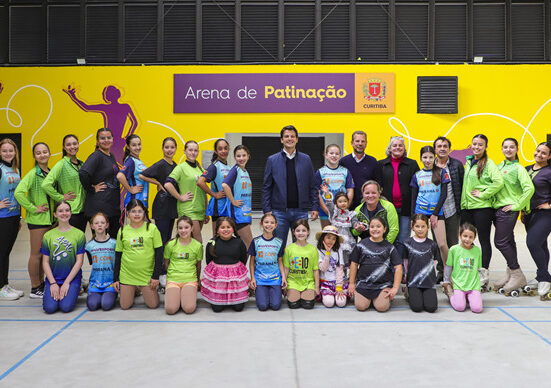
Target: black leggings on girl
{"points": [[422, 299], [538, 227], [482, 220], [9, 227]]}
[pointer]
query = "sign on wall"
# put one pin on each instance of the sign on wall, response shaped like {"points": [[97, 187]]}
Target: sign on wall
{"points": [[284, 92]]}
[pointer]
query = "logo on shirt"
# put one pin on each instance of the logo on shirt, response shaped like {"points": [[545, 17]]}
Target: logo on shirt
{"points": [[183, 256], [299, 264], [466, 262], [62, 247], [136, 242]]}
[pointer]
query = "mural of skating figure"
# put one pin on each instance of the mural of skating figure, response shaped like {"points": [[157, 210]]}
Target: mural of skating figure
{"points": [[115, 115]]}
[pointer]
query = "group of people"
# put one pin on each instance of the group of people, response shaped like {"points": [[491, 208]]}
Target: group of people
{"points": [[368, 210]]}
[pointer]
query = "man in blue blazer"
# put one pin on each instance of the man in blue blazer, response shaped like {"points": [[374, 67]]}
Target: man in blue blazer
{"points": [[289, 191]]}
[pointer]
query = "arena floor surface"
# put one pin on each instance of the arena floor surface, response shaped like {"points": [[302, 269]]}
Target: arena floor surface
{"points": [[508, 345]]}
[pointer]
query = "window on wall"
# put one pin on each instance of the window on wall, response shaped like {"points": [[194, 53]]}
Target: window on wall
{"points": [[271, 31]]}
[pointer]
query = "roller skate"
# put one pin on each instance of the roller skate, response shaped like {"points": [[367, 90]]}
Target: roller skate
{"points": [[498, 285], [516, 284], [83, 287], [162, 284], [484, 275], [544, 290]]}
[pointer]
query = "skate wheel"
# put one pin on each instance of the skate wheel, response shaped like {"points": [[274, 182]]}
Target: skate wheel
{"points": [[527, 289], [514, 293], [501, 291], [548, 296]]}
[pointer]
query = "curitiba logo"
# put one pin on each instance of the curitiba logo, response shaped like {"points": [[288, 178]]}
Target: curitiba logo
{"points": [[374, 90]]}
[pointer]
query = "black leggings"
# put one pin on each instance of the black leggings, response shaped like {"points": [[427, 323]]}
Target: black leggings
{"points": [[165, 226], [9, 227], [422, 298], [79, 221], [538, 227], [504, 237], [482, 220]]}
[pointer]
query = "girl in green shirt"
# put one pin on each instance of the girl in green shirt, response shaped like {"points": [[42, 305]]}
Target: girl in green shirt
{"points": [[39, 217], [139, 257], [63, 183], [300, 262], [183, 256], [182, 185]]}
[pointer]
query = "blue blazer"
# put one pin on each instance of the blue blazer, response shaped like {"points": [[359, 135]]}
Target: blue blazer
{"points": [[274, 189]]}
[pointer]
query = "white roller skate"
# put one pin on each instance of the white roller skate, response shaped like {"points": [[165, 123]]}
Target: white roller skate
{"points": [[516, 284], [498, 285], [162, 283], [544, 290], [484, 275]]}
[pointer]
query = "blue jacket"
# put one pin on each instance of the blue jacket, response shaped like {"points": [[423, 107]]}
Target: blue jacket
{"points": [[274, 189]]}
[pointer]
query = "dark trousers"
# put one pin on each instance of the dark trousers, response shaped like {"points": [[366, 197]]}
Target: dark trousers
{"points": [[268, 297], [9, 228], [504, 237], [538, 227], [165, 226], [482, 220], [422, 299], [79, 221]]}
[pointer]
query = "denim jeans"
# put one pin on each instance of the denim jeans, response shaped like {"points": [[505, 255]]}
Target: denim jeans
{"points": [[286, 218], [403, 234]]}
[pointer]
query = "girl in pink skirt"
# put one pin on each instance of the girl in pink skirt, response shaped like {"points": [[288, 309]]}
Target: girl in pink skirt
{"points": [[225, 280]]}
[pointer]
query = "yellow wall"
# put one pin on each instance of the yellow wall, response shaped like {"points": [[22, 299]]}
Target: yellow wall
{"points": [[505, 101]]}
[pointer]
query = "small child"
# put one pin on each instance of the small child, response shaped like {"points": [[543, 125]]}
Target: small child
{"points": [[331, 265], [101, 256], [343, 219], [301, 268], [266, 266], [62, 255], [462, 267], [183, 257], [420, 258], [225, 280], [372, 263]]}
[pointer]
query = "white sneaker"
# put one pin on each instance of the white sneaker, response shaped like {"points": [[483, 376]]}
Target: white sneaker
{"points": [[6, 294], [18, 292]]}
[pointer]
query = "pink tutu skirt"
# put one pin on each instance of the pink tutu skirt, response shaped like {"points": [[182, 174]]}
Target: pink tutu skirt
{"points": [[225, 284]]}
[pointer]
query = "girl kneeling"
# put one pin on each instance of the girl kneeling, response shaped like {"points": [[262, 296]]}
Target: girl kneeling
{"points": [[62, 255], [183, 257], [139, 257], [225, 279], [464, 261], [371, 262], [331, 265]]}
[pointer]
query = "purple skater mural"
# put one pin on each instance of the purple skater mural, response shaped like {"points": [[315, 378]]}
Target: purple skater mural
{"points": [[115, 115]]}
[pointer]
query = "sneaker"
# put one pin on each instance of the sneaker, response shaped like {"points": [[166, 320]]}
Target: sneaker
{"points": [[6, 294], [18, 292], [36, 293]]}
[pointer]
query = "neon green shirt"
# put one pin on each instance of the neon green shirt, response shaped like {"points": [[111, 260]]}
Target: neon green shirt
{"points": [[64, 175], [489, 183], [30, 195], [302, 262], [138, 253], [186, 177], [517, 189], [465, 263], [183, 260]]}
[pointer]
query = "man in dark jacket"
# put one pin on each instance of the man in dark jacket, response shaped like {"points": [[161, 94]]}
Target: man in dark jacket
{"points": [[452, 205], [289, 191]]}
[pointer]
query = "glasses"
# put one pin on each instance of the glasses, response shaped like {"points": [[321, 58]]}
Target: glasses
{"points": [[136, 211]]}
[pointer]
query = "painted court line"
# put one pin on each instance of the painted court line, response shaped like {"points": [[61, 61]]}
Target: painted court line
{"points": [[46, 342], [525, 326]]}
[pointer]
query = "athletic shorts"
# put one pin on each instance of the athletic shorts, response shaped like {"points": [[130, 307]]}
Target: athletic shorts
{"points": [[170, 284]]}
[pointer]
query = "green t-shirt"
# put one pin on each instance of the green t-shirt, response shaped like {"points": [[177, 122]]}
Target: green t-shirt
{"points": [[186, 177], [465, 263], [183, 260], [138, 253], [302, 262], [63, 248]]}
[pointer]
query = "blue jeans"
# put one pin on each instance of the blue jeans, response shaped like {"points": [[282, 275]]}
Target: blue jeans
{"points": [[268, 297], [66, 304], [105, 300], [403, 234], [286, 218]]}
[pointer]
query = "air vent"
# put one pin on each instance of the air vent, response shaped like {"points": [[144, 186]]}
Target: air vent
{"points": [[436, 94]]}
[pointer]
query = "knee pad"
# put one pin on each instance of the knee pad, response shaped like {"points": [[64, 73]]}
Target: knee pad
{"points": [[238, 307], [307, 304], [293, 305], [217, 308]]}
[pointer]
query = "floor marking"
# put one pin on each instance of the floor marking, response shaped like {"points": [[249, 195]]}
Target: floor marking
{"points": [[46, 342], [526, 327]]}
